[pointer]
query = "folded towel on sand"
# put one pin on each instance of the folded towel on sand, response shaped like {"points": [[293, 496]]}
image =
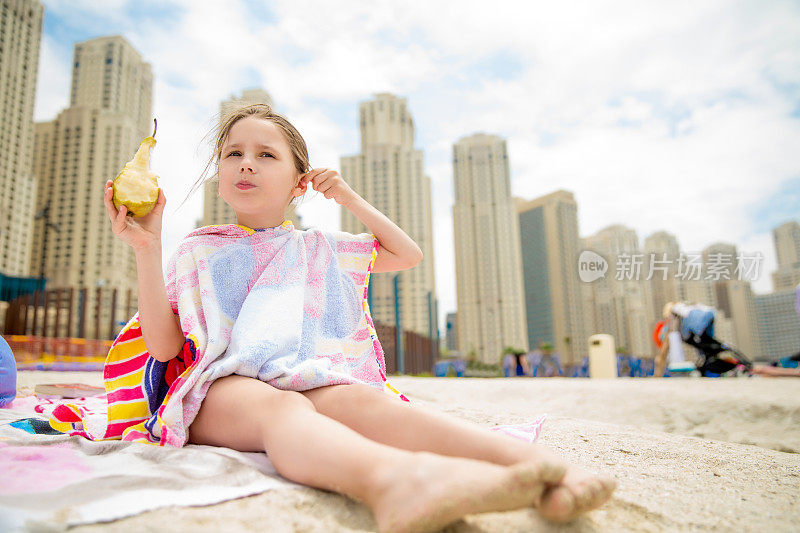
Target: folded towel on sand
{"points": [[58, 480]]}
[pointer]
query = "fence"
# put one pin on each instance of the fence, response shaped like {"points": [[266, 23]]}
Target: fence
{"points": [[33, 352], [420, 352], [69, 312], [53, 353]]}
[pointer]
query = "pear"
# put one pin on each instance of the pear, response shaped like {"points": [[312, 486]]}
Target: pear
{"points": [[136, 187]]}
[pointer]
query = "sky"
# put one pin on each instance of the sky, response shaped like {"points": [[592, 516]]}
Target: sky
{"points": [[680, 116]]}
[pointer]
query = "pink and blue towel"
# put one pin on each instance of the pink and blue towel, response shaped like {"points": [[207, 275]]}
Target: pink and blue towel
{"points": [[284, 306]]}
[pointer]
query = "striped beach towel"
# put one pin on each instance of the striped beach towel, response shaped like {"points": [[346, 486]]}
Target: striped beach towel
{"points": [[284, 306]]}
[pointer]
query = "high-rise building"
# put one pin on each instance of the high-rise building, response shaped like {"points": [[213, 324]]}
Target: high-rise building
{"points": [[553, 294], [785, 278], [215, 210], [787, 243], [779, 324], [21, 22], [661, 254], [388, 173], [697, 273], [787, 248], [735, 299], [88, 143], [621, 300], [490, 290], [720, 261]]}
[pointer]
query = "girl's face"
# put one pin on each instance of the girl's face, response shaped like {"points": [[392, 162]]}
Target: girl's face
{"points": [[257, 174]]}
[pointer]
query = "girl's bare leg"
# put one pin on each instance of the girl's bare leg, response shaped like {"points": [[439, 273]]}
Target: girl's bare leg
{"points": [[407, 491], [385, 419]]}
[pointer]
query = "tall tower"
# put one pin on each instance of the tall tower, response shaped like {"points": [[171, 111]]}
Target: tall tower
{"points": [[787, 247], [661, 257], [490, 290], [388, 173], [778, 324], [21, 22], [215, 210], [553, 301], [622, 300], [74, 155], [736, 301]]}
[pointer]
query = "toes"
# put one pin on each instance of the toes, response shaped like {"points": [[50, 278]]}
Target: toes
{"points": [[535, 477], [558, 504], [548, 474], [587, 495], [562, 503], [607, 487]]}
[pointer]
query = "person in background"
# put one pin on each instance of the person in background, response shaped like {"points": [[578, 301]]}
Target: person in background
{"points": [[521, 364], [694, 323]]}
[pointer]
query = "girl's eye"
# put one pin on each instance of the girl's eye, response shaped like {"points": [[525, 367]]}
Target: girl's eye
{"points": [[267, 154], [234, 153]]}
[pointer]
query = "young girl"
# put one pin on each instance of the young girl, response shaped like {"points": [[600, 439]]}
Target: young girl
{"points": [[281, 356]]}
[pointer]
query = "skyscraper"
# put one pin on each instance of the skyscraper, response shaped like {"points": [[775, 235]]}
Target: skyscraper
{"points": [[215, 210], [622, 300], [490, 290], [787, 243], [787, 248], [720, 261], [21, 22], [735, 299], [778, 323], [87, 144], [553, 300], [661, 250], [388, 173]]}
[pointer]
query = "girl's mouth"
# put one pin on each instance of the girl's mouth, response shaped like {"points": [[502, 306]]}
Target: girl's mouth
{"points": [[243, 185]]}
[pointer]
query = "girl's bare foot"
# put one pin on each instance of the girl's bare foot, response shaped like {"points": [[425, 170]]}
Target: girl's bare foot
{"points": [[426, 492], [578, 491]]}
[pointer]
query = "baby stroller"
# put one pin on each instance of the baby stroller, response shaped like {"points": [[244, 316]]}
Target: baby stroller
{"points": [[717, 357]]}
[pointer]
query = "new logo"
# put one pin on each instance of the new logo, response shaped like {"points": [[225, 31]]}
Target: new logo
{"points": [[591, 266]]}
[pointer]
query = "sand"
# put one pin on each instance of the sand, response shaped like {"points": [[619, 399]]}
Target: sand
{"points": [[689, 454]]}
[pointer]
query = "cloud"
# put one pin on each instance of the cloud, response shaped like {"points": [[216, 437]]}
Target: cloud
{"points": [[680, 116]]}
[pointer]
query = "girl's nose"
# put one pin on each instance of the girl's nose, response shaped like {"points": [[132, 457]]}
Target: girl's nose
{"points": [[245, 165]]}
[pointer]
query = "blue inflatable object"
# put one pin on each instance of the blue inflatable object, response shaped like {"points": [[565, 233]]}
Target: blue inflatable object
{"points": [[8, 374]]}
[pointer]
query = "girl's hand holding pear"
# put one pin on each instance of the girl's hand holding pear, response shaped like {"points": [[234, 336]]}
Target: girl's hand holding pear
{"points": [[135, 192], [140, 233]]}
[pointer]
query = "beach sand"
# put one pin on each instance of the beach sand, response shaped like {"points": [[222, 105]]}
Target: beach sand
{"points": [[689, 454]]}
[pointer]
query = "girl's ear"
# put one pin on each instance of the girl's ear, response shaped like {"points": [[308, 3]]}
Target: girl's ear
{"points": [[302, 186]]}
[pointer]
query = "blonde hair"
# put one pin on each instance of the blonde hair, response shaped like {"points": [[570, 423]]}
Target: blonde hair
{"points": [[265, 112]]}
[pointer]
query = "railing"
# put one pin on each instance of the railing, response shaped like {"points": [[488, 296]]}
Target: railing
{"points": [[53, 353], [419, 351]]}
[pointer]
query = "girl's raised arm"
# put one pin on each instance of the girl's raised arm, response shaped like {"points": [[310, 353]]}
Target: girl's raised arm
{"points": [[398, 251], [161, 329]]}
